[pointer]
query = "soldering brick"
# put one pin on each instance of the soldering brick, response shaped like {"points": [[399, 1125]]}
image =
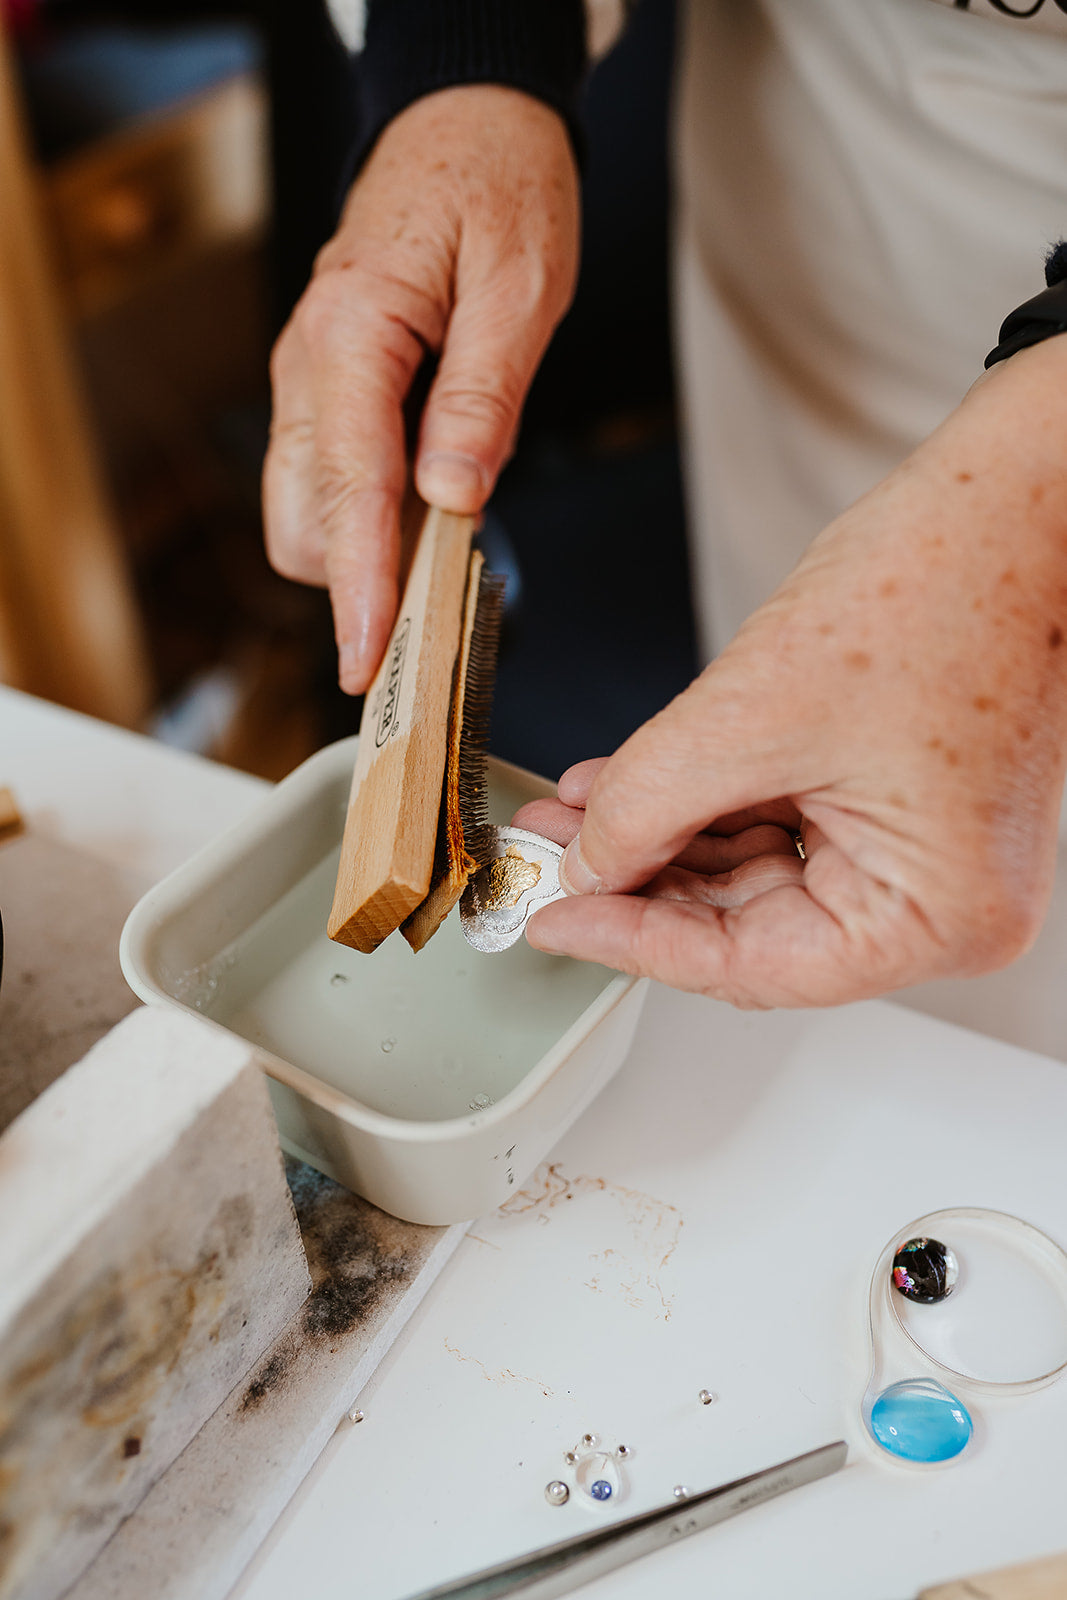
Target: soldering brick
{"points": [[149, 1254]]}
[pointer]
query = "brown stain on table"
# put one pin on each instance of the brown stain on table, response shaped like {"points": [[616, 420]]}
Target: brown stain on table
{"points": [[634, 1275], [503, 1376]]}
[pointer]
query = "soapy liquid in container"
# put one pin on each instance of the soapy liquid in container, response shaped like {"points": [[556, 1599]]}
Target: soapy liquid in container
{"points": [[431, 1084], [425, 1038]]}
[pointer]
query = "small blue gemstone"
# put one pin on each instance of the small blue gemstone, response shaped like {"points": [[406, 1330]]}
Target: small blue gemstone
{"points": [[919, 1420], [601, 1489]]}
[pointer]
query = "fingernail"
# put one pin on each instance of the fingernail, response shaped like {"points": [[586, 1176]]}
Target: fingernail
{"points": [[453, 481], [549, 947], [348, 667], [355, 664], [574, 876]]}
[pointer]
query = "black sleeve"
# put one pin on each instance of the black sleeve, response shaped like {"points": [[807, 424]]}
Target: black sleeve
{"points": [[413, 47], [1039, 318]]}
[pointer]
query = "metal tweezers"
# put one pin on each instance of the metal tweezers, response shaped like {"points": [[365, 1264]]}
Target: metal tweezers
{"points": [[557, 1569]]}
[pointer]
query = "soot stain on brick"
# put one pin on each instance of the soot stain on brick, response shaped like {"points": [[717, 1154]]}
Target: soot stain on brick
{"points": [[108, 1351], [101, 1358], [359, 1259], [357, 1256], [236, 1218], [269, 1376]]}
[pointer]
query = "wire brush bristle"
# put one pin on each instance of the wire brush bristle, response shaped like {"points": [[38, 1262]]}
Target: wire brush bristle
{"points": [[464, 832], [473, 790]]}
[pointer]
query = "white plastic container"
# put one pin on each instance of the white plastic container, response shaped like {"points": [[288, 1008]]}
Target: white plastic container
{"points": [[430, 1084]]}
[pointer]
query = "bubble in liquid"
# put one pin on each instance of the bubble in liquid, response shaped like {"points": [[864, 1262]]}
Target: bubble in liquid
{"points": [[199, 986], [207, 993], [480, 1102], [919, 1420], [387, 1045]]}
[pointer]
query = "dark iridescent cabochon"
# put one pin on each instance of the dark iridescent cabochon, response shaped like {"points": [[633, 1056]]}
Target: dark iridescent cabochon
{"points": [[925, 1270]]}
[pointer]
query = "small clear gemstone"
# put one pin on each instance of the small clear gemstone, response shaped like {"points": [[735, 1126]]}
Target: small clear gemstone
{"points": [[557, 1493], [706, 1397], [681, 1492]]}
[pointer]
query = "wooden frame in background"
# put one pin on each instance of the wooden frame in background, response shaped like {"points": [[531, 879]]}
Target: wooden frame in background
{"points": [[69, 624]]}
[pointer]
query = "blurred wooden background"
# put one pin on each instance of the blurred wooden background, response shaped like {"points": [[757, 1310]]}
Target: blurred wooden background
{"points": [[156, 251], [69, 625]]}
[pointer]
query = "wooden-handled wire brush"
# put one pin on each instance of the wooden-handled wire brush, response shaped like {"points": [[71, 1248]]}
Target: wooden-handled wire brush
{"points": [[417, 833]]}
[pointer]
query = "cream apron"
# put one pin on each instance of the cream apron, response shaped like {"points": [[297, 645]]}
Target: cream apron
{"points": [[865, 189]]}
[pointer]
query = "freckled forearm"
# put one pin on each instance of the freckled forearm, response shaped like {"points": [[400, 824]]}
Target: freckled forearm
{"points": [[1007, 445], [949, 580], [978, 511]]}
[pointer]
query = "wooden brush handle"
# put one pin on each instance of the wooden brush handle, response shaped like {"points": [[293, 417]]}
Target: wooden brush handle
{"points": [[1037, 1580], [388, 846]]}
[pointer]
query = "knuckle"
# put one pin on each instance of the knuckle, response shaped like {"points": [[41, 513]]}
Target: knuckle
{"points": [[281, 356], [533, 283], [279, 558], [619, 806], [652, 952], [346, 501], [372, 328], [535, 290], [491, 403], [359, 292], [289, 438], [682, 946], [335, 491], [325, 303], [299, 560]]}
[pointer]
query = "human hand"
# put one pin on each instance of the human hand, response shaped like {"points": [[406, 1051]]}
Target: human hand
{"points": [[460, 237], [900, 703]]}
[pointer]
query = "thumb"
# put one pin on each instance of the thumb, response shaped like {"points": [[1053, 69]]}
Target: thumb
{"points": [[491, 351], [701, 761]]}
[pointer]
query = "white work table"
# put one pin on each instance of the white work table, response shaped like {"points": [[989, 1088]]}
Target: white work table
{"points": [[711, 1222]]}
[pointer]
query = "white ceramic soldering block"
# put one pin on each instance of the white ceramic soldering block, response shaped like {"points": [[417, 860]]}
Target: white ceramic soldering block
{"points": [[149, 1254], [431, 1084]]}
